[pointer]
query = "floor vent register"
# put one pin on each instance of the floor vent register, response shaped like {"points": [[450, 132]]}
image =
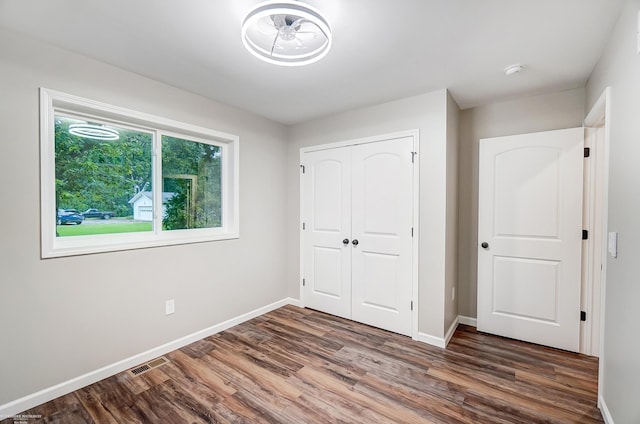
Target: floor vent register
{"points": [[141, 369]]}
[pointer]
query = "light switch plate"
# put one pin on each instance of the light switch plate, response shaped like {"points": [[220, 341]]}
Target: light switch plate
{"points": [[169, 307], [639, 32], [613, 244]]}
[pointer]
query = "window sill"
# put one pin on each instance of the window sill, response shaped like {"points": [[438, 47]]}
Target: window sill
{"points": [[75, 246]]}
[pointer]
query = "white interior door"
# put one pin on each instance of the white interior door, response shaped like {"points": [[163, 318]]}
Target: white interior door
{"points": [[382, 192], [327, 206], [529, 235]]}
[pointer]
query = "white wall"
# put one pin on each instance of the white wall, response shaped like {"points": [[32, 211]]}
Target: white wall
{"points": [[451, 271], [619, 68], [428, 113], [61, 318], [530, 114]]}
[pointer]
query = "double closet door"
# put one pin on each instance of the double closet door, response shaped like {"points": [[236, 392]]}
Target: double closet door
{"points": [[357, 209]]}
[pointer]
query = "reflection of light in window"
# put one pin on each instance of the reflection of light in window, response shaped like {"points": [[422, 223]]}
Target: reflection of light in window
{"points": [[93, 131]]}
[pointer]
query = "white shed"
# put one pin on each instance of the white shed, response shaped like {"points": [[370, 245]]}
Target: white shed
{"points": [[142, 204]]}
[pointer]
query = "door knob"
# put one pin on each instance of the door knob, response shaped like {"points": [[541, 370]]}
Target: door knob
{"points": [[345, 241], [485, 245], [355, 242]]}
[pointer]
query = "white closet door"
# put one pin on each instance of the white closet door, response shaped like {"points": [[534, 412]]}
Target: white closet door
{"points": [[530, 236], [327, 211], [382, 215]]}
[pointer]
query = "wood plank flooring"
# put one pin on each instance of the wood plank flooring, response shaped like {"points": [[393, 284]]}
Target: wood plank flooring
{"points": [[296, 365]]}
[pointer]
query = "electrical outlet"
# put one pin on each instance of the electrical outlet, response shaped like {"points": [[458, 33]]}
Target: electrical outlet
{"points": [[453, 294], [169, 307]]}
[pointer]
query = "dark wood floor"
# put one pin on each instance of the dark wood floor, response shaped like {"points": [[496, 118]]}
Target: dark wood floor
{"points": [[301, 366]]}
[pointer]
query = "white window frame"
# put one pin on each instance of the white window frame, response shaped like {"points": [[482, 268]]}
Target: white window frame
{"points": [[54, 102]]}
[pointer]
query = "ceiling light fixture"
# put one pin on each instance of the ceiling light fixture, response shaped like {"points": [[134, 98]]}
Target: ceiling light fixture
{"points": [[287, 33], [94, 131]]}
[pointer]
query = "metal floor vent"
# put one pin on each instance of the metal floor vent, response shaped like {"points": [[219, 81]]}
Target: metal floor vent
{"points": [[141, 369]]}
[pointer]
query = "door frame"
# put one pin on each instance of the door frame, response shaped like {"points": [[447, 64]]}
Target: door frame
{"points": [[415, 134], [599, 117], [595, 221]]}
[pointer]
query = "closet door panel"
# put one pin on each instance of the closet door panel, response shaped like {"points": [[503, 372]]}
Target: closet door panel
{"points": [[382, 200], [327, 210]]}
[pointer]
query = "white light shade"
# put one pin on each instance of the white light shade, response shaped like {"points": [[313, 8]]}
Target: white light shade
{"points": [[286, 33]]}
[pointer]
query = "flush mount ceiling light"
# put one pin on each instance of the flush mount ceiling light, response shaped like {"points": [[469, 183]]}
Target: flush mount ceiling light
{"points": [[286, 33], [94, 131]]}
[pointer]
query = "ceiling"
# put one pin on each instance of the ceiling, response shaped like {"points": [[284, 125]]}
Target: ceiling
{"points": [[382, 49]]}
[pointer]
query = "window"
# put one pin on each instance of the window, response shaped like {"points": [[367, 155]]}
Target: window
{"points": [[116, 179], [191, 178]]}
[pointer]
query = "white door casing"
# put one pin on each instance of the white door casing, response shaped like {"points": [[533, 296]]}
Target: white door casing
{"points": [[361, 190], [597, 131], [530, 217]]}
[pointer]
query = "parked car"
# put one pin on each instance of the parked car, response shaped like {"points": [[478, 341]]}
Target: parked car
{"points": [[66, 217], [95, 213]]}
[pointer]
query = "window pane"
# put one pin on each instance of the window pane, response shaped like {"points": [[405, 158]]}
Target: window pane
{"points": [[191, 178], [103, 173]]}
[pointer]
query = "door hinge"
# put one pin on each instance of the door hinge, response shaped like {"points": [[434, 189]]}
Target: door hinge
{"points": [[412, 305], [585, 235], [413, 156], [304, 226], [302, 167], [587, 152], [583, 316], [304, 282], [411, 231]]}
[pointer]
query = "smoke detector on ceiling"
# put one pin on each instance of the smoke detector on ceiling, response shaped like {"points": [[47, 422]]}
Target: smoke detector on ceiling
{"points": [[516, 68]]}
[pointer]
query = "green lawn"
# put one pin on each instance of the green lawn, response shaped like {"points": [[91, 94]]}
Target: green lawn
{"points": [[91, 229]]}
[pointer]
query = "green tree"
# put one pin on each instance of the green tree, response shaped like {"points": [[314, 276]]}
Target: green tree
{"points": [[100, 174]]}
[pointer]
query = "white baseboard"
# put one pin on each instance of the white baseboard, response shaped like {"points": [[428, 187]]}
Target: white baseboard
{"points": [[473, 322], [439, 341], [294, 302], [27, 402], [432, 340], [450, 331], [443, 342], [606, 415]]}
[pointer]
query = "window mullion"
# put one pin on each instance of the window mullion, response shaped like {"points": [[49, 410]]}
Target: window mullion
{"points": [[157, 182]]}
